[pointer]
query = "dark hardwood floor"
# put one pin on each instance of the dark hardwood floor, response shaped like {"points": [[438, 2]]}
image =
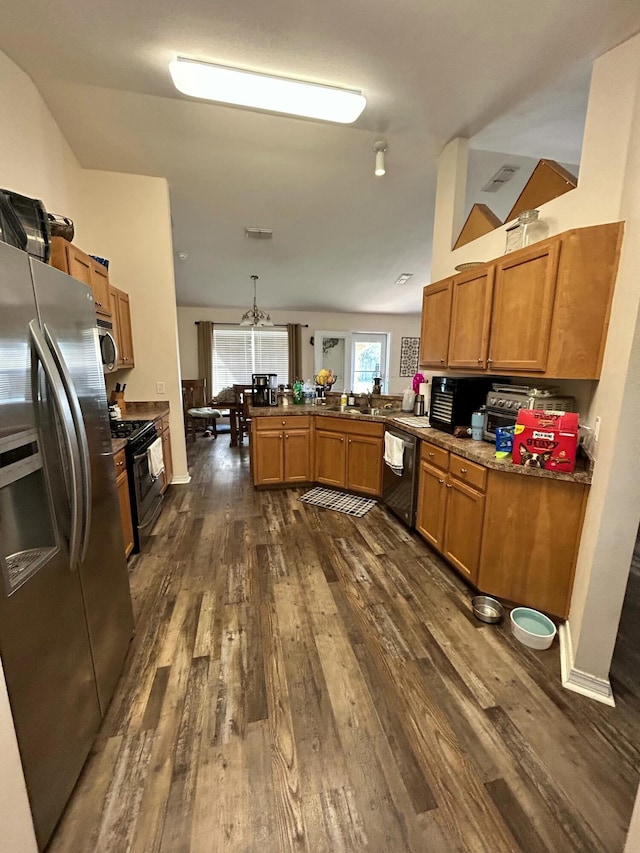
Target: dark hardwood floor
{"points": [[304, 681]]}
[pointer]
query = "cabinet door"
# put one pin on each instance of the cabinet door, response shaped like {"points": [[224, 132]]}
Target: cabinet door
{"points": [[124, 329], [364, 464], [432, 499], [530, 540], [113, 304], [471, 319], [100, 287], [463, 527], [78, 264], [522, 308], [167, 458], [297, 460], [122, 482], [436, 320], [268, 466], [330, 458]]}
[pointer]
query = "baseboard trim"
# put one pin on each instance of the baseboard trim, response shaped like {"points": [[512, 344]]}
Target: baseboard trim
{"points": [[577, 680], [180, 481]]}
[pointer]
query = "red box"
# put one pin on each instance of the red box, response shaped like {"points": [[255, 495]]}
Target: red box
{"points": [[546, 440]]}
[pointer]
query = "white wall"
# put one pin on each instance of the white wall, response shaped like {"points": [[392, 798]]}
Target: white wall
{"points": [[127, 219], [608, 190], [399, 325]]}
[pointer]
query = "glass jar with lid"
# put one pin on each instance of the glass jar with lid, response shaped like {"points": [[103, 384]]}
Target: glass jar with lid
{"points": [[528, 229]]}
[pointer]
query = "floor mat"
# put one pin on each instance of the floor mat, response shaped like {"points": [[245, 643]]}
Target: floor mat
{"points": [[339, 501]]}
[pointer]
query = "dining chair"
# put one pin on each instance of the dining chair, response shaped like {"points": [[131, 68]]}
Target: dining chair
{"points": [[196, 411], [243, 400]]}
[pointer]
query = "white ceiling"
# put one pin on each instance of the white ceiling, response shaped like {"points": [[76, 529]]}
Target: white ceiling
{"points": [[512, 75]]}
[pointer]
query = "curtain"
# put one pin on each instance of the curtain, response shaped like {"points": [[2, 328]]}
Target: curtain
{"points": [[294, 335], [205, 355]]}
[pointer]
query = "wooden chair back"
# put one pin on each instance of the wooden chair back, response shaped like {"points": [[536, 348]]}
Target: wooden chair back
{"points": [[243, 399], [194, 393]]}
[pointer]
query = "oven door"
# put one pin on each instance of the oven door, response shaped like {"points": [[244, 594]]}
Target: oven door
{"points": [[147, 487], [494, 418], [108, 348]]}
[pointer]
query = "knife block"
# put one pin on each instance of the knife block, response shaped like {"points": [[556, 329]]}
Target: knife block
{"points": [[117, 397]]}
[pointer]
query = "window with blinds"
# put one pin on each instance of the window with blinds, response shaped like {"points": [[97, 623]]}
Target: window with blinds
{"points": [[238, 352]]}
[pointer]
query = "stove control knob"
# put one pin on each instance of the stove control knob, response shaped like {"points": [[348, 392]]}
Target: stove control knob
{"points": [[501, 402], [509, 403], [517, 405]]}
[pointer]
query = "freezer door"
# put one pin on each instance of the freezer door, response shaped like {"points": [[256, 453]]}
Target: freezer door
{"points": [[44, 641], [67, 316]]}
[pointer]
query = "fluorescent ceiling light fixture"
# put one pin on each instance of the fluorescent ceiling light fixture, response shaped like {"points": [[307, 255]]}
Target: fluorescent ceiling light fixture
{"points": [[404, 278], [265, 92]]}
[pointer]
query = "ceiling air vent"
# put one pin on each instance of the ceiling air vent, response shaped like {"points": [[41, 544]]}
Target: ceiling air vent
{"points": [[404, 278], [504, 174], [259, 233]]}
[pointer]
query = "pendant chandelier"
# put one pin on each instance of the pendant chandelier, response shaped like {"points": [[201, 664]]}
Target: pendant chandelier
{"points": [[255, 316]]}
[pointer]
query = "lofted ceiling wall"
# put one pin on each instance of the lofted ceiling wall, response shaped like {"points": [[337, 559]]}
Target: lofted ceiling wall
{"points": [[511, 76]]}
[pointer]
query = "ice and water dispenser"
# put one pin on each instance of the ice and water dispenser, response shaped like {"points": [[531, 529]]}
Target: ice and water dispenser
{"points": [[27, 533]]}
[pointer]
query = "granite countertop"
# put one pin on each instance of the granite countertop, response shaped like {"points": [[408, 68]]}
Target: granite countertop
{"points": [[140, 412], [482, 452], [118, 444]]}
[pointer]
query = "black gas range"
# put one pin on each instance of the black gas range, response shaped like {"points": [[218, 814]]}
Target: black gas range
{"points": [[144, 488]]}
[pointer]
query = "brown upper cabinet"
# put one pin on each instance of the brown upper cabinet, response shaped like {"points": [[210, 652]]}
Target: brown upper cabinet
{"points": [[540, 311], [436, 317], [72, 260], [121, 319]]}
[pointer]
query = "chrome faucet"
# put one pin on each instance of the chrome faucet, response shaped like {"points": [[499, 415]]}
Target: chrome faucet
{"points": [[368, 397]]}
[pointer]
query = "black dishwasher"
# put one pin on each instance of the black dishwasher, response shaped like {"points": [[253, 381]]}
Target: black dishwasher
{"points": [[400, 490]]}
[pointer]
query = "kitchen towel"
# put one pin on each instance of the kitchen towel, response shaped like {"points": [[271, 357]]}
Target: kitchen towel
{"points": [[393, 452], [154, 455]]}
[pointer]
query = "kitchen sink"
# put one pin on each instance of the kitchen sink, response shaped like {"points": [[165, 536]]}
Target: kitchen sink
{"points": [[364, 410]]}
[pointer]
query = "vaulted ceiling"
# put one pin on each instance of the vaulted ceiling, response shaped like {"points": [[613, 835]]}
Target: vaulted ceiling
{"points": [[513, 77]]}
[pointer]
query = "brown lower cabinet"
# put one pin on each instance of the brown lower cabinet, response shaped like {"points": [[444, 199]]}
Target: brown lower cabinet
{"points": [[281, 450], [348, 455], [122, 482], [339, 452], [165, 434], [510, 535], [451, 505], [530, 540]]}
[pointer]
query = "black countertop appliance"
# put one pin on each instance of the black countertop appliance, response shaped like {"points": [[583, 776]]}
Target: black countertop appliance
{"points": [[265, 389], [454, 399]]}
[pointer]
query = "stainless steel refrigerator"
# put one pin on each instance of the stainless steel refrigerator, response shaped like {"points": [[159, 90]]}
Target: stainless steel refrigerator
{"points": [[65, 607]]}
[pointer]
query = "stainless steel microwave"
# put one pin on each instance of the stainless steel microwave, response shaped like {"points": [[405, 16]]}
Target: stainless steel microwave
{"points": [[108, 346]]}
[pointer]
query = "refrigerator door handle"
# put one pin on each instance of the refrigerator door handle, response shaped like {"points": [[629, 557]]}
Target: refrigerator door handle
{"points": [[71, 440], [81, 435]]}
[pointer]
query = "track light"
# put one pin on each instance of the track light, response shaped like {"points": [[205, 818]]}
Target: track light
{"points": [[380, 148]]}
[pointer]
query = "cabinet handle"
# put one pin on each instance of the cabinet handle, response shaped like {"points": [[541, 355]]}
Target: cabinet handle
{"points": [[342, 439], [286, 436], [463, 470], [479, 361], [440, 481], [284, 423], [442, 361], [349, 441], [489, 361], [432, 453], [448, 485]]}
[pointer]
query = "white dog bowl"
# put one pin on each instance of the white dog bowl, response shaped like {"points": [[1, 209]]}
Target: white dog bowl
{"points": [[532, 628]]}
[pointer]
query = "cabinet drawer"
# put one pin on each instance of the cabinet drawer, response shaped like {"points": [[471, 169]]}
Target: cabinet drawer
{"points": [[276, 423], [434, 455], [468, 472], [119, 462]]}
